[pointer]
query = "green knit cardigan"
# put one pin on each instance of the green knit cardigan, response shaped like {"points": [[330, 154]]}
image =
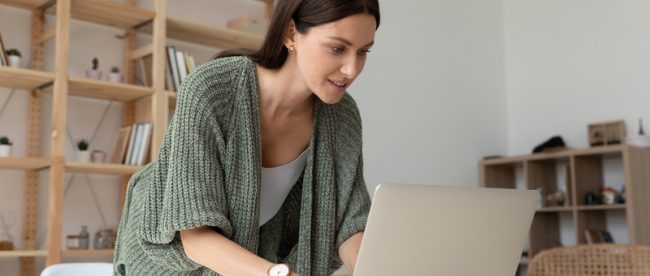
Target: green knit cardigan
{"points": [[208, 173]]}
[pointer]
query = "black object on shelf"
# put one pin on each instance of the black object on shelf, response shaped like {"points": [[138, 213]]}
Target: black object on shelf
{"points": [[552, 143]]}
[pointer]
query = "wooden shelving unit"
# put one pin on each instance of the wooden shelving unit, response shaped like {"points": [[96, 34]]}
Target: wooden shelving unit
{"points": [[86, 253], [24, 79], [97, 89], [23, 253], [140, 104], [584, 171], [95, 168], [24, 164]]}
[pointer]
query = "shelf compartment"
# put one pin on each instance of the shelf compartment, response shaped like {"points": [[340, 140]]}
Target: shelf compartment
{"points": [[109, 13], [86, 253], [211, 36], [27, 79], [591, 220], [23, 253], [543, 174], [24, 164], [101, 168], [97, 89], [544, 232], [501, 175], [24, 4]]}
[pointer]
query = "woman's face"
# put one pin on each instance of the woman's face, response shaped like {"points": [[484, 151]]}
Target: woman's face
{"points": [[331, 56]]}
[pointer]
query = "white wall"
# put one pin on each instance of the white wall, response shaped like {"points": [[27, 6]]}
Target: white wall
{"points": [[432, 96], [572, 63], [432, 99]]}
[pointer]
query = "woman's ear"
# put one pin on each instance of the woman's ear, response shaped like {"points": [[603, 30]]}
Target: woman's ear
{"points": [[290, 37]]}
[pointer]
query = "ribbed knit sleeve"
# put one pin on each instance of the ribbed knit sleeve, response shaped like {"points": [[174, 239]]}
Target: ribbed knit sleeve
{"points": [[188, 186], [356, 212]]}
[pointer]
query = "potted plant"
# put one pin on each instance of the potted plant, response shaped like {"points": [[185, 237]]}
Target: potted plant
{"points": [[114, 75], [94, 73], [5, 146], [83, 154], [14, 57]]}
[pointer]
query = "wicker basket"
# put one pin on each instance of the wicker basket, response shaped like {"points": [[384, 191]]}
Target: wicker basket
{"points": [[592, 259]]}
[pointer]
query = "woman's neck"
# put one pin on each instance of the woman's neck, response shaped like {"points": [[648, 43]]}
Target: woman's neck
{"points": [[282, 91]]}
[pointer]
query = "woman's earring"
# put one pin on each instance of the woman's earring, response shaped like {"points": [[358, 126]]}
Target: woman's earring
{"points": [[291, 49]]}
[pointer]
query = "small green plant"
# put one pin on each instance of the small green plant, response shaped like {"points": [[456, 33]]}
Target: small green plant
{"points": [[95, 63], [82, 145], [4, 140], [115, 69], [13, 52]]}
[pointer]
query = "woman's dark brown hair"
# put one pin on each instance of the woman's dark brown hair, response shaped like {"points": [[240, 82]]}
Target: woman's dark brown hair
{"points": [[305, 14]]}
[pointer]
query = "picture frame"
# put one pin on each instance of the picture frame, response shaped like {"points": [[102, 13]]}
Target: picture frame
{"points": [[121, 144], [606, 133]]}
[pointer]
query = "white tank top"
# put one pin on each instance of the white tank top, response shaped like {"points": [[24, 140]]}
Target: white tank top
{"points": [[276, 184]]}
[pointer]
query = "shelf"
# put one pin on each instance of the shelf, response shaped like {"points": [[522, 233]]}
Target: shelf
{"points": [[554, 209], [109, 13], [25, 164], [211, 36], [23, 253], [101, 168], [600, 150], [24, 4], [602, 207], [86, 253], [616, 149], [20, 78], [97, 89]]}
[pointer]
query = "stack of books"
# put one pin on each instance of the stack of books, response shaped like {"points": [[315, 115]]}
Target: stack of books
{"points": [[133, 143], [179, 65]]}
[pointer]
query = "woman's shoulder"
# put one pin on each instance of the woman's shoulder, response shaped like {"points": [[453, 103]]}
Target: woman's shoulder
{"points": [[216, 76]]}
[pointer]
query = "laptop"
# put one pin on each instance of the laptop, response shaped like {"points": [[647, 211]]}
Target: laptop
{"points": [[447, 231]]}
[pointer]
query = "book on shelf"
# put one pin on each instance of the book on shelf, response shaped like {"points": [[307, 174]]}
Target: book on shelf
{"points": [[182, 70], [595, 236], [179, 65], [3, 54], [121, 143], [172, 64], [139, 142]]}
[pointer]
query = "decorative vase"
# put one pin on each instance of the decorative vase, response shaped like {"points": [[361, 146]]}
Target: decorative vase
{"points": [[94, 74], [14, 61], [5, 150], [98, 156], [83, 156], [115, 77]]}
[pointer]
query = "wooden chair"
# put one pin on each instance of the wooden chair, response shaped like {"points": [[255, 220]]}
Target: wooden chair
{"points": [[592, 259]]}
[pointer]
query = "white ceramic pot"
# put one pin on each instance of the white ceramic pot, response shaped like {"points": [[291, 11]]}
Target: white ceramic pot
{"points": [[94, 74], [115, 77], [5, 150], [14, 61], [83, 156]]}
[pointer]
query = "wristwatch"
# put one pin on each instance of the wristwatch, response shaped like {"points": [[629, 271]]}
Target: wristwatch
{"points": [[279, 270]]}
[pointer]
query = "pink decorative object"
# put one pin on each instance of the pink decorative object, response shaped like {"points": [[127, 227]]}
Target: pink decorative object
{"points": [[250, 24]]}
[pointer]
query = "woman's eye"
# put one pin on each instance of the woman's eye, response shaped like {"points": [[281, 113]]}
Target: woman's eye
{"points": [[337, 50], [363, 52]]}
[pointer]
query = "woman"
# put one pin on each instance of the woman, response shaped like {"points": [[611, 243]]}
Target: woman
{"points": [[260, 172]]}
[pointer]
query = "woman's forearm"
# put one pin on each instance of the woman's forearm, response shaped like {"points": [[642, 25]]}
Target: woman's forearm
{"points": [[216, 252], [349, 250]]}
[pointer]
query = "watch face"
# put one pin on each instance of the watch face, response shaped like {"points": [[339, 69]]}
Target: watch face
{"points": [[280, 270]]}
